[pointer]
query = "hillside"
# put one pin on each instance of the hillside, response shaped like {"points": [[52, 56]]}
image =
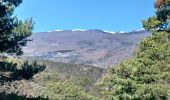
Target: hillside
{"points": [[90, 47], [72, 70], [84, 76]]}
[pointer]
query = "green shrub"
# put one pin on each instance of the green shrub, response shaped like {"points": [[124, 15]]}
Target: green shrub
{"points": [[27, 71], [66, 91]]}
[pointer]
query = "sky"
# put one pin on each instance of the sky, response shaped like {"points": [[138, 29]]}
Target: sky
{"points": [[110, 15]]}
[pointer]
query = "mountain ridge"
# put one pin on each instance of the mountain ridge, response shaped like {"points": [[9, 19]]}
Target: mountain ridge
{"points": [[91, 47], [105, 31]]}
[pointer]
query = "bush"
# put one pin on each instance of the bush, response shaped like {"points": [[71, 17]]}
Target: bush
{"points": [[27, 70]]}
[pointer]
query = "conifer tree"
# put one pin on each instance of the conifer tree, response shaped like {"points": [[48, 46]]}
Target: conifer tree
{"points": [[146, 76], [13, 32], [13, 35]]}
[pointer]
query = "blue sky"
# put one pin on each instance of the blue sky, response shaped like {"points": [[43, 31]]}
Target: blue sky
{"points": [[111, 15]]}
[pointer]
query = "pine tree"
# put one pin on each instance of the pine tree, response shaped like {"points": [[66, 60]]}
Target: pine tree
{"points": [[13, 36], [146, 76], [13, 32]]}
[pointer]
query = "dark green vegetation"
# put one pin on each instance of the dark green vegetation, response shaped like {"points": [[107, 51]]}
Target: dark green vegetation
{"points": [[147, 75], [13, 96], [13, 31]]}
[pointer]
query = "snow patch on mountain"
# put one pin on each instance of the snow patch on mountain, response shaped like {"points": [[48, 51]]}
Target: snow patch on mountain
{"points": [[106, 31], [112, 32], [78, 30]]}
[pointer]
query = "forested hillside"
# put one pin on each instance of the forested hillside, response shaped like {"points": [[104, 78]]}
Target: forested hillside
{"points": [[145, 76]]}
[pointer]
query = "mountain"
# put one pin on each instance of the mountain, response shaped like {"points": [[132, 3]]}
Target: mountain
{"points": [[90, 47]]}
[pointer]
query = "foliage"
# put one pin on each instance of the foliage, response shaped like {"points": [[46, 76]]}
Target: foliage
{"points": [[27, 70], [77, 72], [11, 70], [147, 75], [66, 91], [14, 96], [13, 32], [13, 35]]}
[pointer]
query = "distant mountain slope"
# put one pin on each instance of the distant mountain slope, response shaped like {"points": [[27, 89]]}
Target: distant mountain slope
{"points": [[92, 47]]}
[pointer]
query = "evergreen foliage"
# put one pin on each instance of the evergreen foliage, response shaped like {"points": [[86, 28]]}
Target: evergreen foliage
{"points": [[147, 75], [66, 90], [27, 70], [11, 70], [13, 32], [13, 35], [14, 96]]}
